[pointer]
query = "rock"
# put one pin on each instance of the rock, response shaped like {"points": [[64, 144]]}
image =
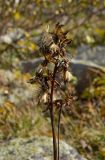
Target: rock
{"points": [[85, 66], [12, 36], [35, 148], [15, 90], [86, 58], [6, 77], [88, 64], [28, 66], [85, 71], [94, 54]]}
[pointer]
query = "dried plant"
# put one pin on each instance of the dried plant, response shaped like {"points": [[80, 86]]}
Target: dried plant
{"points": [[52, 82]]}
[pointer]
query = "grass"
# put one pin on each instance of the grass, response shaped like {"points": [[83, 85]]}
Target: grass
{"points": [[83, 126], [85, 132]]}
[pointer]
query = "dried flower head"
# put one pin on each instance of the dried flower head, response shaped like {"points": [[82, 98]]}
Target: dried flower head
{"points": [[53, 44], [51, 86]]}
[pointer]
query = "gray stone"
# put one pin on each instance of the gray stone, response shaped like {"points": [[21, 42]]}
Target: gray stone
{"points": [[13, 36], [86, 57], [17, 91], [85, 66], [94, 54], [88, 64], [37, 148]]}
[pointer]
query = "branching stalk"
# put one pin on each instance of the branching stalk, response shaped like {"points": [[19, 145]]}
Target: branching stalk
{"points": [[52, 114], [53, 47]]}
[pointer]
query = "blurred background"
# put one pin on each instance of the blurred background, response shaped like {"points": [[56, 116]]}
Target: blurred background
{"points": [[21, 23]]}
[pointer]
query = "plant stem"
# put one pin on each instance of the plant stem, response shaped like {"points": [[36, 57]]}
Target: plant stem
{"points": [[52, 114], [59, 118]]}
